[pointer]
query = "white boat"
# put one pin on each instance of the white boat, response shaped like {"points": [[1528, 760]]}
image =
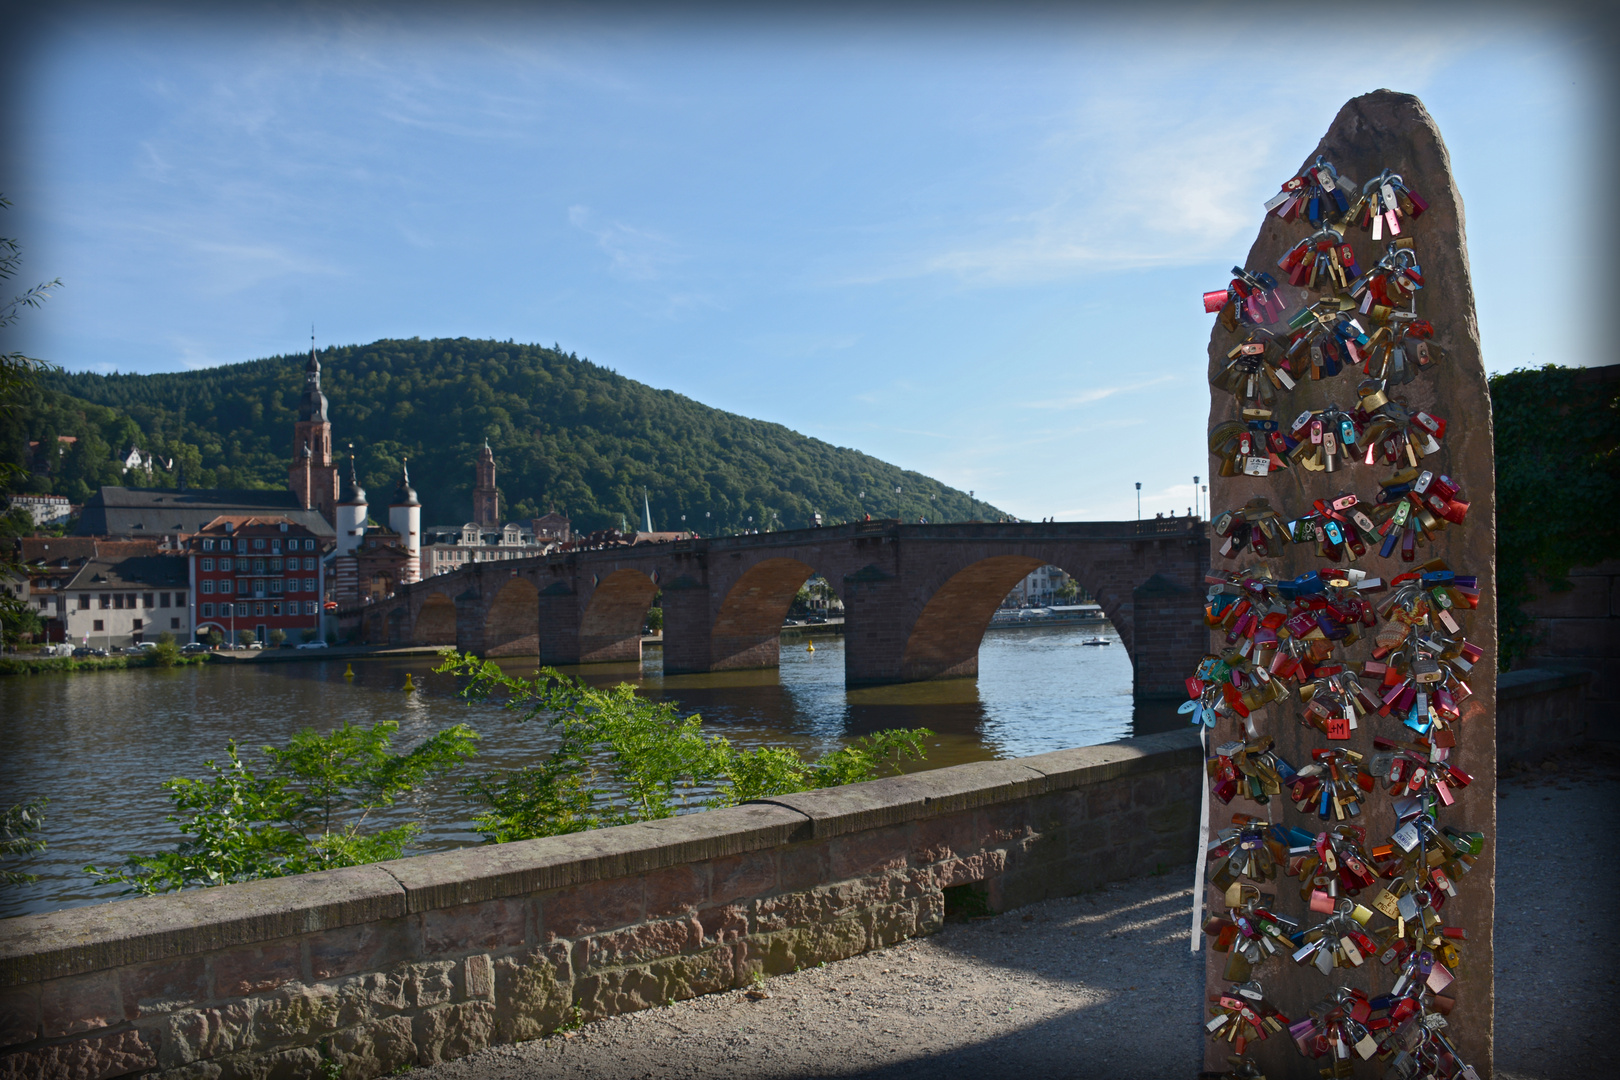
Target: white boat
{"points": [[1095, 641]]}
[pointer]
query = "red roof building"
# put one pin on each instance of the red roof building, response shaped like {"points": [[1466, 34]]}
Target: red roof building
{"points": [[258, 574]]}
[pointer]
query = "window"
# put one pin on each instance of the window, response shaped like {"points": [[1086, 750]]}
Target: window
{"points": [[275, 609], [147, 601], [275, 545], [208, 545], [84, 601], [106, 600], [292, 584], [309, 584], [208, 565], [258, 609], [309, 545], [174, 624], [224, 545], [99, 625], [208, 587], [208, 611], [225, 586], [275, 586], [258, 543], [225, 565], [275, 566], [258, 566], [137, 624], [179, 599], [163, 599]]}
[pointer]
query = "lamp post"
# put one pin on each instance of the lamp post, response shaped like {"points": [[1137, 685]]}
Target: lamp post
{"points": [[899, 516], [1196, 510], [1138, 500]]}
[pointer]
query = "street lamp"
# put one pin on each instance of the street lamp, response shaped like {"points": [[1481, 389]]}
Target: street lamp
{"points": [[1195, 497], [897, 512], [1138, 500]]}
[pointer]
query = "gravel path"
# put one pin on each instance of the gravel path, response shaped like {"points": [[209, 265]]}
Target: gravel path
{"points": [[1102, 985]]}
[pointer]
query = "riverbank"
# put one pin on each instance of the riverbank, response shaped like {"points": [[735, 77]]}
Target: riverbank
{"points": [[49, 665]]}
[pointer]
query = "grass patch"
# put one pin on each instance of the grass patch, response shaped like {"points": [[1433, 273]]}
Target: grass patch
{"points": [[46, 665]]}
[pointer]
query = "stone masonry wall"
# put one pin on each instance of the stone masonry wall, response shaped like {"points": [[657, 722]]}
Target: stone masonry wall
{"points": [[430, 958]]}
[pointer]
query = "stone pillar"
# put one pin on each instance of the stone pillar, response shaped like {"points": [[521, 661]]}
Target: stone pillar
{"points": [[1167, 636], [1372, 132], [559, 624], [875, 627], [470, 622], [688, 622]]}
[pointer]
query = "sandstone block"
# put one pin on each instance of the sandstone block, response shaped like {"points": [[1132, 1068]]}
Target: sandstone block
{"points": [[867, 853], [741, 876], [80, 1003], [152, 989], [586, 909], [478, 977], [493, 924], [95, 1058], [803, 866], [254, 970], [365, 947], [641, 944], [453, 1031], [675, 889], [19, 1015], [374, 1049]]}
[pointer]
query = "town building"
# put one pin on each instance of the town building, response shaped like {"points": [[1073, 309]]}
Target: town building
{"points": [[44, 509], [114, 602], [51, 563], [171, 516], [450, 547], [1046, 585], [260, 574], [371, 561]]}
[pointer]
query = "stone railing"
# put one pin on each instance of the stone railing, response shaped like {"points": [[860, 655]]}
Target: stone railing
{"points": [[430, 958]]}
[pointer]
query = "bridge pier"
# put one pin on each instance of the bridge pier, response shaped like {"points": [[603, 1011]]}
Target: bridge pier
{"points": [[875, 628], [687, 624], [559, 625], [470, 622]]}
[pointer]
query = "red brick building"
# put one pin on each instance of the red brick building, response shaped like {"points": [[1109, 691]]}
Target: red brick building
{"points": [[259, 574]]}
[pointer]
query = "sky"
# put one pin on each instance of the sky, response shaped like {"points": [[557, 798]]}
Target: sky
{"points": [[972, 245]]}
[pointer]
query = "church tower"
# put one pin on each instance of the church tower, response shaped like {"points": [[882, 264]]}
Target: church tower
{"points": [[486, 500], [313, 477]]}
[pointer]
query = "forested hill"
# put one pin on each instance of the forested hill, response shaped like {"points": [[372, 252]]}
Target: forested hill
{"points": [[567, 434]]}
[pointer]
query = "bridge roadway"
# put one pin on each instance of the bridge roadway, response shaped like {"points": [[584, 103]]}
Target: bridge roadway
{"points": [[917, 598]]}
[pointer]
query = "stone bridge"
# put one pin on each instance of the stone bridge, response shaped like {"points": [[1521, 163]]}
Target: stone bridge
{"points": [[917, 598]]}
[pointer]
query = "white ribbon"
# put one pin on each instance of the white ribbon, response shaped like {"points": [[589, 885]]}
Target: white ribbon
{"points": [[1197, 936]]}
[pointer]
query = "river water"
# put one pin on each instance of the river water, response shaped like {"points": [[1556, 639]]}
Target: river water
{"points": [[99, 744]]}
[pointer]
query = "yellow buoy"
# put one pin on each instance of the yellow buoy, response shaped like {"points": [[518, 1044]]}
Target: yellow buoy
{"points": [[348, 671], [410, 687], [810, 647]]}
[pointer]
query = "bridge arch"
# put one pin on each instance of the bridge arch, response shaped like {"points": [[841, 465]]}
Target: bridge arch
{"points": [[747, 628], [610, 627], [944, 641], [435, 621], [512, 623]]}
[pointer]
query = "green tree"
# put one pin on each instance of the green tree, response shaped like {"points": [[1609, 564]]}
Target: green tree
{"points": [[244, 637], [20, 826], [306, 809], [278, 637], [621, 758], [1557, 478], [166, 653]]}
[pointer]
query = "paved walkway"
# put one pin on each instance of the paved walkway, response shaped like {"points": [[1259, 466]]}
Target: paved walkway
{"points": [[1102, 986]]}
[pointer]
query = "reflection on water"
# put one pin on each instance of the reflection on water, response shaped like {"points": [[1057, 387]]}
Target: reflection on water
{"points": [[99, 745]]}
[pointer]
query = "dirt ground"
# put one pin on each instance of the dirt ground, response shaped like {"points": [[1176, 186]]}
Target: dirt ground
{"points": [[1103, 986]]}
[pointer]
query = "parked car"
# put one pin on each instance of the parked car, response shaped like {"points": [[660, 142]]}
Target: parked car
{"points": [[316, 644], [816, 618], [193, 647], [84, 650]]}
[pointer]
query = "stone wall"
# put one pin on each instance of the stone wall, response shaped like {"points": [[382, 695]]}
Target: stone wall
{"points": [[424, 959], [1580, 629], [1540, 711]]}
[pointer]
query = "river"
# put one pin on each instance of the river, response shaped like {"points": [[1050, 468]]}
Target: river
{"points": [[100, 744]]}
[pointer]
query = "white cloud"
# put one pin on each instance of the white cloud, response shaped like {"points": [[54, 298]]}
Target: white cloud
{"points": [[1088, 396], [636, 254]]}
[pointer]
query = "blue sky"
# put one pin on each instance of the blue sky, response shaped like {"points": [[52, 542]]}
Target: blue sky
{"points": [[973, 247]]}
